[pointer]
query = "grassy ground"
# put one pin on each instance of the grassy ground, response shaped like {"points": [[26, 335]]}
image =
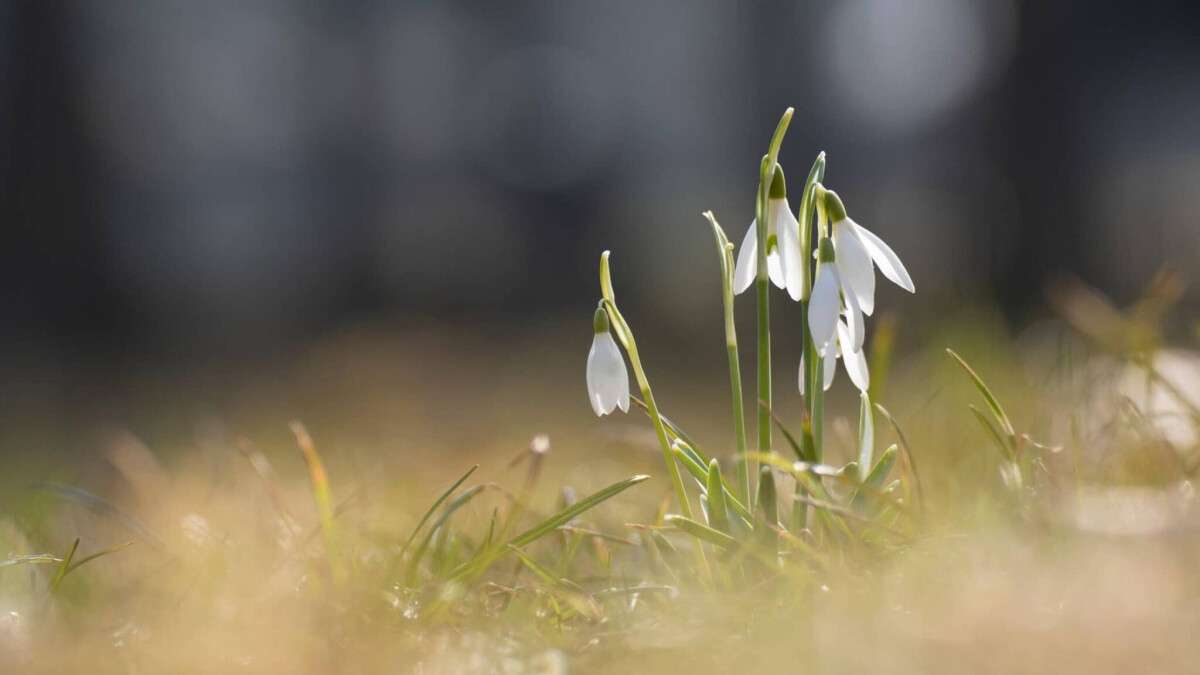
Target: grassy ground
{"points": [[259, 547]]}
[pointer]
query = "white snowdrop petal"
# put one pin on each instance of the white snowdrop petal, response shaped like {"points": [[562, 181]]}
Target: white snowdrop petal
{"points": [[775, 269], [747, 261], [854, 320], [853, 360], [854, 265], [788, 229], [607, 377], [824, 306], [829, 367], [885, 258]]}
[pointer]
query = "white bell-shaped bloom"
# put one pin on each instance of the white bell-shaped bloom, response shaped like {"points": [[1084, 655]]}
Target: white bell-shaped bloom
{"points": [[853, 359], [607, 378], [824, 305], [783, 267], [859, 252], [783, 257]]}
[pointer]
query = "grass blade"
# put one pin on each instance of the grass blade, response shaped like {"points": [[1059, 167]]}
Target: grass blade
{"points": [[322, 495], [438, 502], [410, 575], [702, 531], [98, 554], [908, 454], [62, 568], [866, 433], [571, 512], [992, 431], [715, 491], [992, 402]]}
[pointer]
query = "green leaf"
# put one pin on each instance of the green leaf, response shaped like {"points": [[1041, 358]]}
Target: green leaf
{"points": [[701, 531], [438, 502], [866, 432], [992, 431], [571, 512], [64, 566], [715, 491], [98, 554], [992, 403], [873, 483], [907, 450], [31, 559], [457, 503], [694, 463]]}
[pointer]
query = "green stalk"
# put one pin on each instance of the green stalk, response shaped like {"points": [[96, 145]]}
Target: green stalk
{"points": [[762, 286], [815, 175], [725, 252], [814, 364], [625, 335]]}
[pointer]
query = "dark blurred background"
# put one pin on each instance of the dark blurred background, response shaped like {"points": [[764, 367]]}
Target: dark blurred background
{"points": [[186, 181]]}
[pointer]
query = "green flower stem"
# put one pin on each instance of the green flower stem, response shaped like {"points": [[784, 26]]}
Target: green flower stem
{"points": [[762, 283], [625, 335], [815, 175], [725, 253]]}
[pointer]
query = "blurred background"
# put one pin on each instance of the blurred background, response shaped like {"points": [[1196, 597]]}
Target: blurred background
{"points": [[393, 196]]}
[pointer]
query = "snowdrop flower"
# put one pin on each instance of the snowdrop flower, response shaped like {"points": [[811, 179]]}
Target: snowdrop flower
{"points": [[783, 264], [835, 322], [859, 251], [853, 360], [607, 378]]}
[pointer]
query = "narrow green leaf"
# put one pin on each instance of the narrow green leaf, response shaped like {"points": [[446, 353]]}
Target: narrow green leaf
{"points": [[438, 502], [98, 554], [31, 559], [873, 483], [992, 402], [566, 515], [694, 463], [64, 566], [455, 504], [992, 431], [715, 491], [701, 531], [866, 432], [908, 453]]}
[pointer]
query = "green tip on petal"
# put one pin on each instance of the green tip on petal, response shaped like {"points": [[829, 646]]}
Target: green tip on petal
{"points": [[834, 207], [778, 184], [825, 250], [600, 321]]}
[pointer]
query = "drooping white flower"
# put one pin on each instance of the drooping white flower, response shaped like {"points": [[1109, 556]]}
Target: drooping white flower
{"points": [[835, 322], [859, 252], [783, 258], [851, 355], [607, 378]]}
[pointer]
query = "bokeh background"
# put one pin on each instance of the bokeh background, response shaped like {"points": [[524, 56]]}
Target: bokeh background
{"points": [[387, 215]]}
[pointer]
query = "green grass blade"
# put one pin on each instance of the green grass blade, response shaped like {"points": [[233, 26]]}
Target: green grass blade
{"points": [[908, 453], [874, 481], [438, 502], [571, 512], [457, 503], [98, 554], [702, 531], [715, 491], [64, 566], [695, 466], [322, 496], [866, 433], [992, 431], [31, 559], [992, 402]]}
